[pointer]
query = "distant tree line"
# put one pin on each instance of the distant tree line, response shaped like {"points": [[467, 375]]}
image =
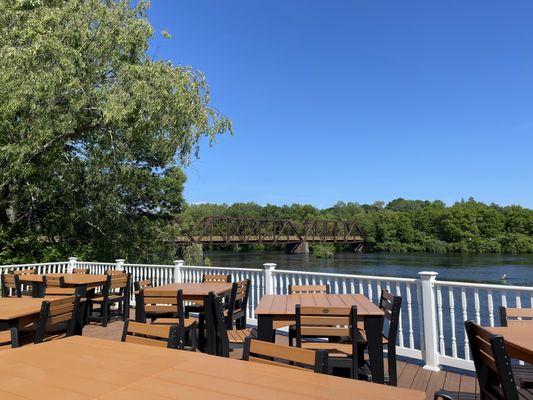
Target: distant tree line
{"points": [[405, 225]]}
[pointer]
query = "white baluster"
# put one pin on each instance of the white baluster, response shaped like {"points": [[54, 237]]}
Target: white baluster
{"points": [[465, 318], [400, 323], [477, 306], [490, 305], [441, 324], [410, 316], [452, 321]]}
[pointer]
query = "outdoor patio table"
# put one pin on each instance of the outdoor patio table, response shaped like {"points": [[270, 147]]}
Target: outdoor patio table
{"points": [[88, 368], [191, 291], [85, 281], [518, 340], [18, 312], [276, 311]]}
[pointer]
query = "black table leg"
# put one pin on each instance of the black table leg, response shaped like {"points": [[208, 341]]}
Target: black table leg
{"points": [[374, 331], [265, 328]]}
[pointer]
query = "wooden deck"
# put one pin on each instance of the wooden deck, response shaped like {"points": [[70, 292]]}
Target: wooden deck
{"points": [[410, 375]]}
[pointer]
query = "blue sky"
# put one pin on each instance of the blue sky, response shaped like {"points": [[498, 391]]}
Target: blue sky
{"points": [[360, 100]]}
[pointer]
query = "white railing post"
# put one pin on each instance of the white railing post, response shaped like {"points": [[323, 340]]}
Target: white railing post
{"points": [[72, 261], [120, 264], [269, 279], [429, 320], [178, 277]]}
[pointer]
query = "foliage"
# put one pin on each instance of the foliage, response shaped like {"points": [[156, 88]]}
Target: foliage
{"points": [[323, 250], [193, 254], [407, 225], [93, 132]]}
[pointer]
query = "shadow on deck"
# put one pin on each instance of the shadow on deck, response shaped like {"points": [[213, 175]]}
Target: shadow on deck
{"points": [[410, 375]]}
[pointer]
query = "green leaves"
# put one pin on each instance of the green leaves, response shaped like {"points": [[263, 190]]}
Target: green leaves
{"points": [[92, 131]]}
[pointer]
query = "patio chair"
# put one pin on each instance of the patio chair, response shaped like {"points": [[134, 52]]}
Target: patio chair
{"points": [[151, 335], [391, 304], [185, 327], [27, 289], [339, 326], [146, 283], [80, 271], [274, 354], [115, 291], [515, 317], [57, 319], [55, 286], [11, 285], [224, 339], [237, 306], [115, 272], [304, 289], [493, 366]]}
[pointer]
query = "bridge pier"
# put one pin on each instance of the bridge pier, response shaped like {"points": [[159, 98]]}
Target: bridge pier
{"points": [[297, 248]]}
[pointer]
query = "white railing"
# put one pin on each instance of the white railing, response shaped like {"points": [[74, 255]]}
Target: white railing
{"points": [[432, 315]]}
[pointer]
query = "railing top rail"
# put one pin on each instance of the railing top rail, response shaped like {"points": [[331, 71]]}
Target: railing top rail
{"points": [[483, 286], [149, 265], [344, 276], [33, 264], [222, 268], [95, 262]]}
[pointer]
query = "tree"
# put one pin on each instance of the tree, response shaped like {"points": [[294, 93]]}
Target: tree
{"points": [[93, 131]]}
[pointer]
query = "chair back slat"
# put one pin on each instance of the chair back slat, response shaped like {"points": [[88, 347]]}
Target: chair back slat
{"points": [[330, 322], [115, 272], [146, 283], [308, 289], [264, 352], [391, 305], [214, 278], [516, 316], [149, 334], [493, 365], [119, 281]]}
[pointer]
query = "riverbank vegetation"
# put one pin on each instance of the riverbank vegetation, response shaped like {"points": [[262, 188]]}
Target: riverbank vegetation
{"points": [[406, 225]]}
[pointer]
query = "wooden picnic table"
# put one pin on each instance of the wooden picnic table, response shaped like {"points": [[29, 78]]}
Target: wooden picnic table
{"points": [[18, 312], [518, 340], [82, 368], [276, 311], [192, 292]]}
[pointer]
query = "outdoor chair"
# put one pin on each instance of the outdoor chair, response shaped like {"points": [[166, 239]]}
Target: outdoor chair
{"points": [[115, 272], [224, 339], [391, 305], [115, 291], [27, 289], [493, 367], [80, 271], [237, 306], [304, 289], [57, 320], [151, 335], [185, 327], [55, 286], [146, 283], [339, 326], [281, 355], [198, 305], [516, 316], [11, 285]]}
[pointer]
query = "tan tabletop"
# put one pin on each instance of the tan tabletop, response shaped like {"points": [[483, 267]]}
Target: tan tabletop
{"points": [[518, 340], [88, 368], [191, 291], [284, 305], [15, 309], [70, 279]]}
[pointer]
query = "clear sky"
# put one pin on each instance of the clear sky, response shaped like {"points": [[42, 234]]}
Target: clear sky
{"points": [[360, 100]]}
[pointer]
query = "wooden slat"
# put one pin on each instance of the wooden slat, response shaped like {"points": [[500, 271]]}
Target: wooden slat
{"points": [[519, 312], [296, 354], [145, 341], [324, 331], [161, 331]]}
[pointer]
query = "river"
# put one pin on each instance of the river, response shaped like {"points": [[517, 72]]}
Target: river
{"points": [[485, 268]]}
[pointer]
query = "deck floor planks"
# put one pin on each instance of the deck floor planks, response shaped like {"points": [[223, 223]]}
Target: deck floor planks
{"points": [[409, 375]]}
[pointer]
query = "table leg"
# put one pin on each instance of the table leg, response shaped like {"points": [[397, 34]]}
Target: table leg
{"points": [[374, 331], [265, 328]]}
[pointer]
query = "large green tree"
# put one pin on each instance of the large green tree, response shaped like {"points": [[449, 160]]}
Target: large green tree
{"points": [[93, 131]]}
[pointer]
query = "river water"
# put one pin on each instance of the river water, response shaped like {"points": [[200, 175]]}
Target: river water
{"points": [[485, 268]]}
